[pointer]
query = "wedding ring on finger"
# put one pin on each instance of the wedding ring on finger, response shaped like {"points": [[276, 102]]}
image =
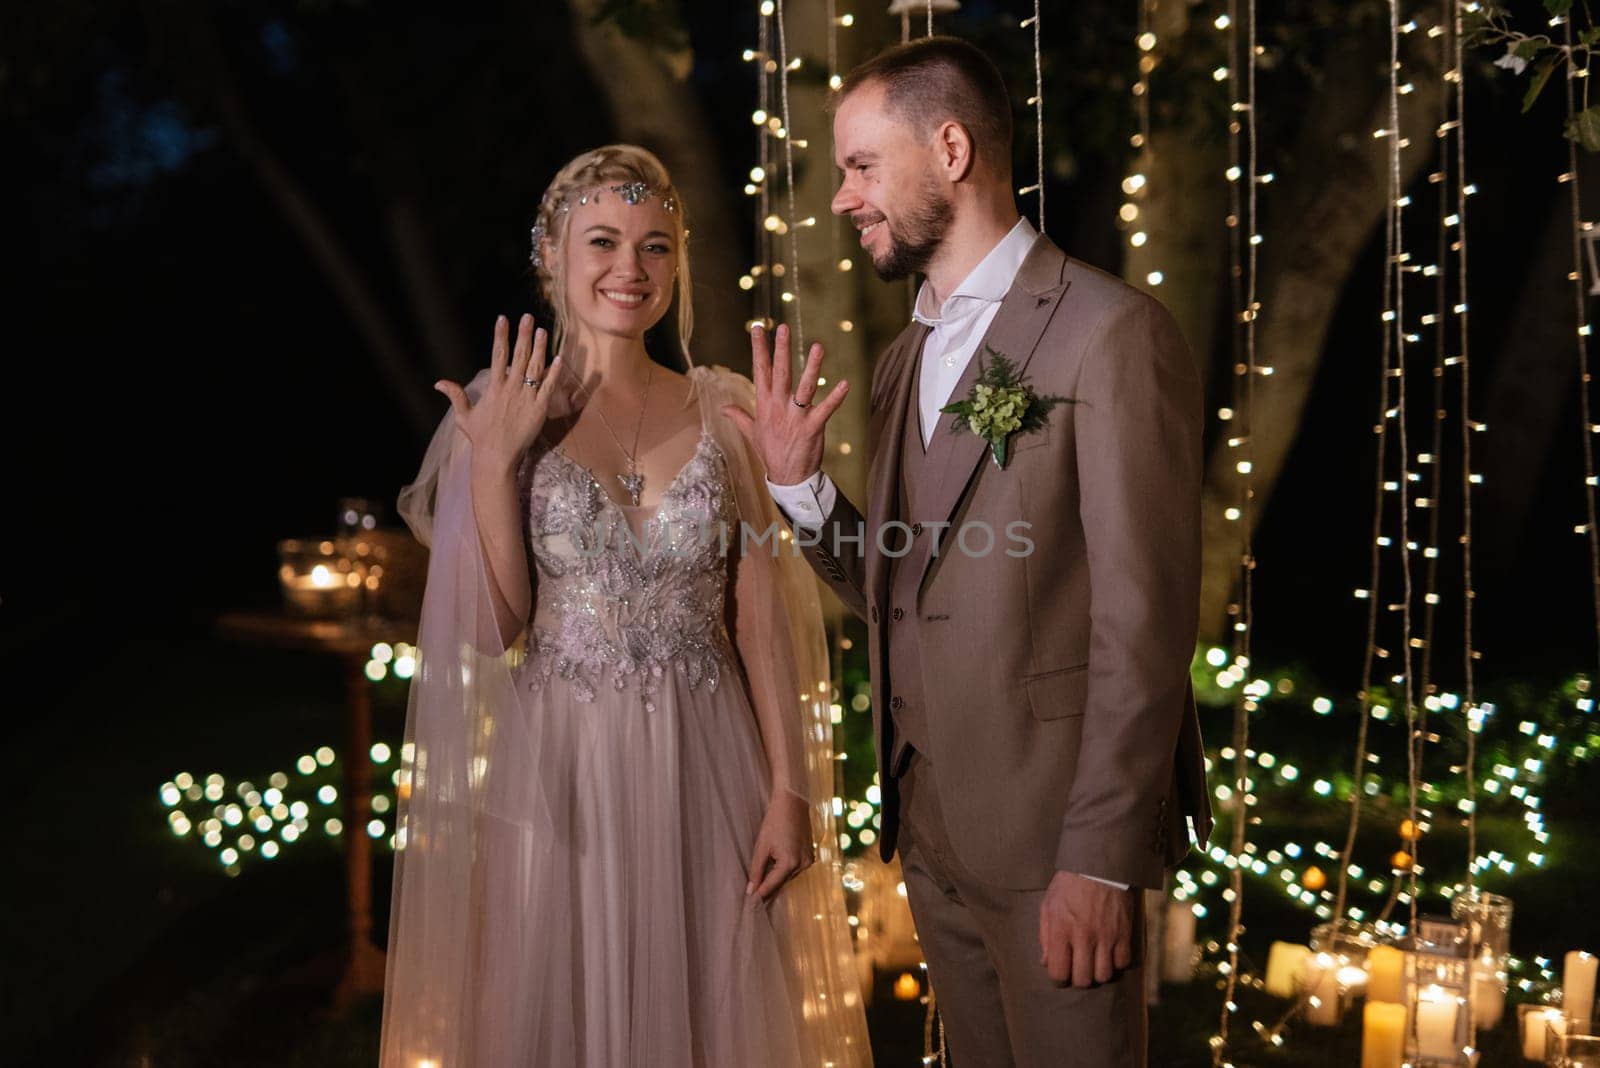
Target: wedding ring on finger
{"points": [[530, 382], [798, 403]]}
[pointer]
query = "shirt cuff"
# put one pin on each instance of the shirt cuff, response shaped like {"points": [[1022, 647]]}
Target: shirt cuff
{"points": [[1108, 882], [807, 503]]}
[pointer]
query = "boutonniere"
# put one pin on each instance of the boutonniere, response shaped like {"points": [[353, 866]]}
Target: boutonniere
{"points": [[1000, 404]]}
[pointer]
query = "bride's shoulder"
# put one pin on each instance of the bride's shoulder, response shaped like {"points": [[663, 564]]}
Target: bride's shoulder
{"points": [[717, 376]]}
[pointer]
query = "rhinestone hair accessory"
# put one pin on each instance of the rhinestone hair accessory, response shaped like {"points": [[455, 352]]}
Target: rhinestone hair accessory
{"points": [[537, 256], [632, 193]]}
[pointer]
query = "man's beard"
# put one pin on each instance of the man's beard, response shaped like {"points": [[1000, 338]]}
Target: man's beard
{"points": [[912, 248]]}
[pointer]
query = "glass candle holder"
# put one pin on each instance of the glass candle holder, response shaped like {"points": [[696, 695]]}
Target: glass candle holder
{"points": [[1537, 1025], [1572, 1050], [1438, 990], [317, 580], [1488, 918]]}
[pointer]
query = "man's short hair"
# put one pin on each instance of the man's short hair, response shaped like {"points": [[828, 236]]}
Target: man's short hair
{"points": [[937, 79]]}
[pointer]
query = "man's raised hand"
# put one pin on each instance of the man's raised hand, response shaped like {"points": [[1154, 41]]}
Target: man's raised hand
{"points": [[788, 429]]}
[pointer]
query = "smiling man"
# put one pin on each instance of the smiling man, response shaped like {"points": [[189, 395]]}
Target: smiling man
{"points": [[1038, 748]]}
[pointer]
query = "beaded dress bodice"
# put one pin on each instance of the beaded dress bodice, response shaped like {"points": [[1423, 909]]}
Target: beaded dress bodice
{"points": [[620, 606]]}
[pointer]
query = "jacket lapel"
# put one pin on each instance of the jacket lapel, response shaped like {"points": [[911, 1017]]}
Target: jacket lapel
{"points": [[884, 466], [1027, 309]]}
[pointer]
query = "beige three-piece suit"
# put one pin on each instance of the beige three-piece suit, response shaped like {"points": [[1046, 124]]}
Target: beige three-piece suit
{"points": [[1031, 697]]}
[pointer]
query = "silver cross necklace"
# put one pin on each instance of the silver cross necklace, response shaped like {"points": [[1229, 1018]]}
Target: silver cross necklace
{"points": [[633, 479]]}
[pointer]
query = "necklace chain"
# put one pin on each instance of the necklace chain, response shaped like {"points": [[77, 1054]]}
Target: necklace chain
{"points": [[632, 481]]}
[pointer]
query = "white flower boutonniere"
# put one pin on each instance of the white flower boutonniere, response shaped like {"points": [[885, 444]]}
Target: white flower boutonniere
{"points": [[1000, 404]]}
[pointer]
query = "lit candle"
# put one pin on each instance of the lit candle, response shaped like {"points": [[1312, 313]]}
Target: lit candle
{"points": [[1535, 1019], [1577, 988], [1386, 967], [1436, 1023], [1383, 1035], [1285, 961], [1177, 944], [320, 590], [1322, 990], [906, 988], [1488, 992], [1353, 980]]}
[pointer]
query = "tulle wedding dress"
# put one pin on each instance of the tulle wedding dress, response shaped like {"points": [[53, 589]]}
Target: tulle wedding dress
{"points": [[578, 814]]}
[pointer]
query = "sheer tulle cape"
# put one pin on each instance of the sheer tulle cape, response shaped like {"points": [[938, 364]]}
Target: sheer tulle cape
{"points": [[476, 756]]}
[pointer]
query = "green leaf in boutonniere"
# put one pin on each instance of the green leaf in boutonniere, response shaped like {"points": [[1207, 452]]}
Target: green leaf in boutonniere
{"points": [[1000, 404]]}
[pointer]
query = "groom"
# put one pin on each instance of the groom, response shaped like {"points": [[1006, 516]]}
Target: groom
{"points": [[1030, 625]]}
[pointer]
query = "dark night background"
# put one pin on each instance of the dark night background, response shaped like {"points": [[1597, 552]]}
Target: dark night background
{"points": [[185, 388]]}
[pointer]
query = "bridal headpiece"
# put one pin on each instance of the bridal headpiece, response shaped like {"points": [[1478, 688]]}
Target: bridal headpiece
{"points": [[632, 193]]}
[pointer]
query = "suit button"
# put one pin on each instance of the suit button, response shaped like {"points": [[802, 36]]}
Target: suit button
{"points": [[916, 530], [897, 702], [897, 614]]}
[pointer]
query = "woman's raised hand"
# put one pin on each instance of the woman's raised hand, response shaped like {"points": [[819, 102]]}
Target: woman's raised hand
{"points": [[788, 429], [511, 412]]}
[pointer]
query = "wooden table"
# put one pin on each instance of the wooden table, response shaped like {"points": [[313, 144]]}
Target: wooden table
{"points": [[351, 641]]}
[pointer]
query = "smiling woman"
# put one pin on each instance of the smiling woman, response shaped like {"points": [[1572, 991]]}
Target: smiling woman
{"points": [[578, 239], [618, 844]]}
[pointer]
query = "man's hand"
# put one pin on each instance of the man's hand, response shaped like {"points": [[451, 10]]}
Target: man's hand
{"points": [[1085, 930], [787, 431]]}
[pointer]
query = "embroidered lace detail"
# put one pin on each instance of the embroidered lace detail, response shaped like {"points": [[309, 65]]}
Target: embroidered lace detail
{"points": [[623, 610]]}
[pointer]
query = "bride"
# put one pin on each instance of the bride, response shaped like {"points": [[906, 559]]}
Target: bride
{"points": [[616, 841]]}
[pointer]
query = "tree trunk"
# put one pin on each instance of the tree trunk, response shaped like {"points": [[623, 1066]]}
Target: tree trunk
{"points": [[1324, 214], [652, 106]]}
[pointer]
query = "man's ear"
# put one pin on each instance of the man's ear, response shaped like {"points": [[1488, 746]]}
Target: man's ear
{"points": [[954, 145]]}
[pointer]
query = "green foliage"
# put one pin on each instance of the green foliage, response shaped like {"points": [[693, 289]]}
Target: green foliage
{"points": [[1491, 26], [1584, 128], [1529, 47], [1000, 404], [1541, 74]]}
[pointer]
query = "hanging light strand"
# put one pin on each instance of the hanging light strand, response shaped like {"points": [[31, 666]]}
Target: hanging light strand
{"points": [[1430, 463], [1244, 256], [1136, 186], [1469, 593], [761, 178], [1037, 100], [1397, 327], [1580, 306], [1374, 589], [788, 174]]}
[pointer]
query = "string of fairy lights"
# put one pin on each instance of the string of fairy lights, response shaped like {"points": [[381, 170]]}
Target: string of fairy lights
{"points": [[1396, 339], [1457, 78], [1245, 239], [1588, 427], [1136, 186], [1452, 177], [1035, 22]]}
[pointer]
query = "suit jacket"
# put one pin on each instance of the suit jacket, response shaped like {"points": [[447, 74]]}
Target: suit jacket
{"points": [[1059, 711]]}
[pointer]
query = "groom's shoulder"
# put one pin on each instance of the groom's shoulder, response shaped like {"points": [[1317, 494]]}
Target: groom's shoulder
{"points": [[1090, 294], [1087, 283], [1082, 287]]}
